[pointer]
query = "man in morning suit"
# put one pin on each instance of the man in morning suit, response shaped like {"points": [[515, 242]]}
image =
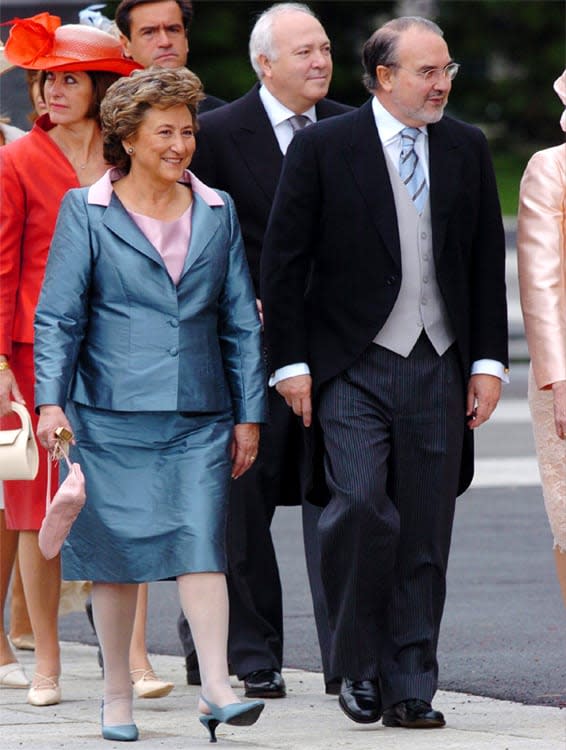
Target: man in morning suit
{"points": [[156, 32], [383, 291], [240, 149]]}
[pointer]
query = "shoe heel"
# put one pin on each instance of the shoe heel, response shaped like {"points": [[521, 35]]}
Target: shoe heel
{"points": [[210, 723]]}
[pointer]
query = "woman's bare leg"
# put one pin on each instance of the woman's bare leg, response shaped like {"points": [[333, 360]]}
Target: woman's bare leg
{"points": [[42, 587], [560, 560], [20, 624], [8, 547]]}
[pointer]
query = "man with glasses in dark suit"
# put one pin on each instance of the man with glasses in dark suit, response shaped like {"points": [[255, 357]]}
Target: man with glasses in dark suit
{"points": [[383, 285]]}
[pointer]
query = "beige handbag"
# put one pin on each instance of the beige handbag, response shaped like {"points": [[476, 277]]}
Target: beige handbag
{"points": [[19, 457]]}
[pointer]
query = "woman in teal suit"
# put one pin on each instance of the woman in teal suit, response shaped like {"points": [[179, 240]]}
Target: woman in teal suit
{"points": [[148, 348]]}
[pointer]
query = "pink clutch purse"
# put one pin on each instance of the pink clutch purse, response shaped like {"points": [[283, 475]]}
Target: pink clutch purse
{"points": [[60, 513]]}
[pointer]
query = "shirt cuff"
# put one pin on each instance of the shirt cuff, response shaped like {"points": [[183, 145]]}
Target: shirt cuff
{"points": [[491, 367], [289, 371]]}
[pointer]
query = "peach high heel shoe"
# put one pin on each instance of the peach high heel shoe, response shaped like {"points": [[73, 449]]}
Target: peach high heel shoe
{"points": [[45, 692], [148, 685]]}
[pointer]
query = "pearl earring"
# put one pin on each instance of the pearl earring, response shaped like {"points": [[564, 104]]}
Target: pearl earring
{"points": [[131, 150]]}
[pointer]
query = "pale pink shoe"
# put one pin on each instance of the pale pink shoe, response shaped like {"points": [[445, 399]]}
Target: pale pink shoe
{"points": [[12, 675], [45, 692], [148, 685]]}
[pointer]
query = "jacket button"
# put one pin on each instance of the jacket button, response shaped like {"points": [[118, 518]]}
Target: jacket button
{"points": [[391, 280], [174, 323], [173, 351]]}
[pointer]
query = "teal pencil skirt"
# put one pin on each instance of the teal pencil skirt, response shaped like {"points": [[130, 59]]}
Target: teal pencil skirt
{"points": [[157, 486]]}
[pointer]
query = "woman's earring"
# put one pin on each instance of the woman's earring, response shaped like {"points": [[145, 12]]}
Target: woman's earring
{"points": [[130, 150]]}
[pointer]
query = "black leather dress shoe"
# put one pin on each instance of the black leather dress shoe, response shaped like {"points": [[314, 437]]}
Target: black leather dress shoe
{"points": [[360, 700], [413, 714], [265, 683]]}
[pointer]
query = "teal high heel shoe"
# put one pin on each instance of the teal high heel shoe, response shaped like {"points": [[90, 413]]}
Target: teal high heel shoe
{"points": [[236, 714], [119, 732]]}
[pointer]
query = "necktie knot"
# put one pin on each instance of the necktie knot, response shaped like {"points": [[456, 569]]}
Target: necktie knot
{"points": [[298, 122], [408, 139]]}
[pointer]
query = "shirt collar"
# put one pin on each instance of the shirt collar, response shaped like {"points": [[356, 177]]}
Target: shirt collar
{"points": [[387, 125], [100, 193], [278, 112]]}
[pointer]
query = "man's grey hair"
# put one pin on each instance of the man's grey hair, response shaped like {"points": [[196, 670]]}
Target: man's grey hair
{"points": [[261, 38], [381, 47]]}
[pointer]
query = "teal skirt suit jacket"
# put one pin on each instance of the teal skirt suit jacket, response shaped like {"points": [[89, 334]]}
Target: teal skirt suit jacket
{"points": [[152, 376]]}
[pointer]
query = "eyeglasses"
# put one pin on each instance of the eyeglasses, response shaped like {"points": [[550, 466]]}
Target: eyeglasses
{"points": [[432, 75]]}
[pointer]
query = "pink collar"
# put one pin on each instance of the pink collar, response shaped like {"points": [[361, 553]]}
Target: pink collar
{"points": [[100, 193]]}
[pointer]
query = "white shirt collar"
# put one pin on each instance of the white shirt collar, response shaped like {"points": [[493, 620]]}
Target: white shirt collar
{"points": [[278, 112]]}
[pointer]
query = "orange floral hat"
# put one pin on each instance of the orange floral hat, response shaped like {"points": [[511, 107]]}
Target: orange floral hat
{"points": [[41, 43]]}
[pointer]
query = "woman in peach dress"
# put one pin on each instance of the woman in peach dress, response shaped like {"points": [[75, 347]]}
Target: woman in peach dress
{"points": [[541, 245]]}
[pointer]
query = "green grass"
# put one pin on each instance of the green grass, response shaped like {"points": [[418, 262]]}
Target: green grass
{"points": [[509, 168]]}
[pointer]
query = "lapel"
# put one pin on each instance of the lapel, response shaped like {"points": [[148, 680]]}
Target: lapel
{"points": [[365, 155], [118, 221], [445, 174], [204, 225], [255, 141]]}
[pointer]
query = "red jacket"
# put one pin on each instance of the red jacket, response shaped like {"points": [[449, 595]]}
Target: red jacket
{"points": [[34, 177]]}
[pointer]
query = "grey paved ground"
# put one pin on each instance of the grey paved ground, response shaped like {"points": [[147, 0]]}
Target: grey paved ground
{"points": [[305, 720]]}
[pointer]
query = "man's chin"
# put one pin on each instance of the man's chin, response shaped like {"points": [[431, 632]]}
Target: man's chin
{"points": [[168, 62]]}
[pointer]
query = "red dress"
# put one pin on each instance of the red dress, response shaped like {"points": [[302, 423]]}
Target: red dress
{"points": [[34, 177]]}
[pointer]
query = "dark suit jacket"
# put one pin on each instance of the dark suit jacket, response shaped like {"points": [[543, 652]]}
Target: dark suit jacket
{"points": [[209, 103], [237, 151], [331, 265]]}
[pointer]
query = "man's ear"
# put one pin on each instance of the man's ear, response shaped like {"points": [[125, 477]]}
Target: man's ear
{"points": [[383, 75], [125, 42], [265, 64]]}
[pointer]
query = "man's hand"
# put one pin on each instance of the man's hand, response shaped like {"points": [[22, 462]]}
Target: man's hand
{"points": [[559, 393], [483, 395], [297, 394], [244, 447]]}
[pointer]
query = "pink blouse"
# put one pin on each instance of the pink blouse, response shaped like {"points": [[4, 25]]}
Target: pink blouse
{"points": [[170, 239]]}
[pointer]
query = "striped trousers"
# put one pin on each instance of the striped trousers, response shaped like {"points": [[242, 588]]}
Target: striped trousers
{"points": [[393, 431]]}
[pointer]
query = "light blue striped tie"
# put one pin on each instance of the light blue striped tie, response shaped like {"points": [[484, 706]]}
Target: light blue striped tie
{"points": [[411, 170]]}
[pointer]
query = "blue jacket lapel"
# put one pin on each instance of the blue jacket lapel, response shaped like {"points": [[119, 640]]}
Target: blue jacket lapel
{"points": [[118, 221], [204, 225]]}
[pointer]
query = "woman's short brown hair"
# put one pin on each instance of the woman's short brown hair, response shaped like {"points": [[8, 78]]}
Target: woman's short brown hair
{"points": [[127, 101]]}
